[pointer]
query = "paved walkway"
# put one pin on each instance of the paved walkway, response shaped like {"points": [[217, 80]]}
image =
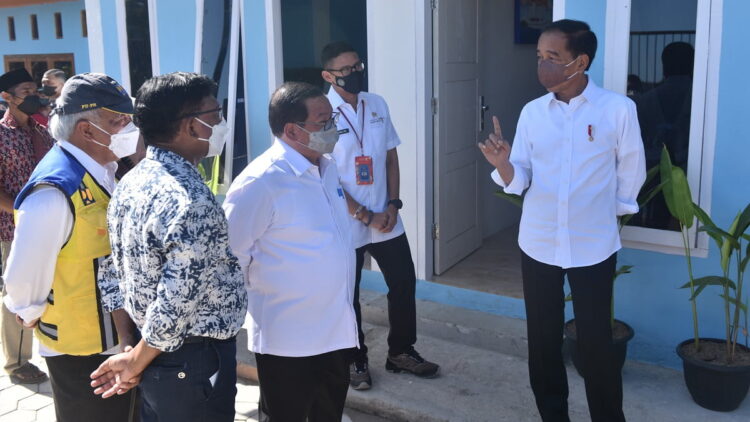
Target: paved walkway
{"points": [[28, 403]]}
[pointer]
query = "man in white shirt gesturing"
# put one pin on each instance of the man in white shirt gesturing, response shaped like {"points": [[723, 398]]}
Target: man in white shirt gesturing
{"points": [[289, 228], [578, 150]]}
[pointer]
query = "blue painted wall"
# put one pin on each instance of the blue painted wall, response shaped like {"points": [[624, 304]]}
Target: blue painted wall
{"points": [[72, 41], [256, 77], [176, 23], [594, 13], [109, 39]]}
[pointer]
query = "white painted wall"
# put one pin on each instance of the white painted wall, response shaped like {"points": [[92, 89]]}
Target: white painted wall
{"points": [[399, 69]]}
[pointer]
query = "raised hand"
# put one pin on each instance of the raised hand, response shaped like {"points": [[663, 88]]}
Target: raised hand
{"points": [[495, 148]]}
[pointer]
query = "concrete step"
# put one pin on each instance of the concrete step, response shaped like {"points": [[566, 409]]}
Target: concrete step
{"points": [[484, 375]]}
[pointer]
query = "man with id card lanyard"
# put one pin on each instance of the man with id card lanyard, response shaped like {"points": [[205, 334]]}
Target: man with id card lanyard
{"points": [[368, 165]]}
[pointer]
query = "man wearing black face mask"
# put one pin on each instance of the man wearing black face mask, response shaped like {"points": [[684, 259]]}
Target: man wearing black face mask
{"points": [[23, 143], [578, 149], [367, 161]]}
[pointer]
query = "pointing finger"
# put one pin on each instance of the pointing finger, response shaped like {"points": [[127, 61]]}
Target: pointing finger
{"points": [[496, 123]]}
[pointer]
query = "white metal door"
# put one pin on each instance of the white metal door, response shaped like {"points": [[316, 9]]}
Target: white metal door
{"points": [[456, 90]]}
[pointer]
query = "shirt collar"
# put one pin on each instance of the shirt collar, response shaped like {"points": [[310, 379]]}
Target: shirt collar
{"points": [[590, 93], [172, 159], [104, 174], [299, 164], [335, 99]]}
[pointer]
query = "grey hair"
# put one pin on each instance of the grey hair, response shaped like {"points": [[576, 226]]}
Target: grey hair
{"points": [[61, 127]]}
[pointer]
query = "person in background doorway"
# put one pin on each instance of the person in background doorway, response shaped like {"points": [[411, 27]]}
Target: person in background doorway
{"points": [[578, 150], [61, 243], [367, 161], [289, 227], [23, 142], [53, 81]]}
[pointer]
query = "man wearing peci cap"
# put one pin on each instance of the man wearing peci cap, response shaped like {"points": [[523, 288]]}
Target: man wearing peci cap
{"points": [[23, 142], [61, 240]]}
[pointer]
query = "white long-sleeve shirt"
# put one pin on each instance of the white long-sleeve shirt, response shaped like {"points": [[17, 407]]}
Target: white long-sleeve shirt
{"points": [[583, 164], [44, 224], [289, 228]]}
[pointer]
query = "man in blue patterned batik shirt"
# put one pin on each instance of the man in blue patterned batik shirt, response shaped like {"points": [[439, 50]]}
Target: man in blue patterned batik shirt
{"points": [[172, 269]]}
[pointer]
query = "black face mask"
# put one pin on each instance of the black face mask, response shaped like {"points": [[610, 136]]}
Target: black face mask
{"points": [[31, 104], [47, 90], [352, 83]]}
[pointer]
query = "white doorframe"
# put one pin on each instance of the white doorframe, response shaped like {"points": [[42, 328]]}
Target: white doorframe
{"points": [[198, 50], [122, 45], [274, 45], [558, 10], [425, 213], [234, 46], [153, 31], [95, 35]]}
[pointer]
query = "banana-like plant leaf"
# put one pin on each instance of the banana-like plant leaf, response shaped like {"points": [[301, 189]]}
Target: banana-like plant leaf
{"points": [[514, 199], [625, 269], [735, 302], [742, 224], [710, 280], [727, 248], [697, 292], [676, 191]]}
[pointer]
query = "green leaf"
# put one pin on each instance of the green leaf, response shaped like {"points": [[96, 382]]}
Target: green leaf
{"points": [[743, 222], [710, 280], [676, 191], [734, 302], [727, 248], [624, 269], [514, 199]]}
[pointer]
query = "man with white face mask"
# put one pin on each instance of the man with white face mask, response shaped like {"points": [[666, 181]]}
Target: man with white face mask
{"points": [[289, 228], [171, 267], [578, 150], [61, 241]]}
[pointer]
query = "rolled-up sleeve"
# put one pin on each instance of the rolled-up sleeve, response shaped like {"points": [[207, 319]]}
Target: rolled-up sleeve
{"points": [[189, 246], [631, 162], [249, 212], [520, 159], [43, 225]]}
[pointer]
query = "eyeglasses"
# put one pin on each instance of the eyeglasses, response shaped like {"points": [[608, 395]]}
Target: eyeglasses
{"points": [[198, 113], [328, 124], [347, 70]]}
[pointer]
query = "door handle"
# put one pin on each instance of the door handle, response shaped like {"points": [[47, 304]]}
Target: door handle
{"points": [[482, 109]]}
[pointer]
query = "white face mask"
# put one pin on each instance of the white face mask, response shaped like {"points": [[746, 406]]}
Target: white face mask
{"points": [[323, 141], [219, 134], [122, 143]]}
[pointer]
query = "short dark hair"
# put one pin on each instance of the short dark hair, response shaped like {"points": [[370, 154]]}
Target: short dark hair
{"points": [[580, 38], [333, 50], [677, 59], [288, 104], [163, 100], [55, 73]]}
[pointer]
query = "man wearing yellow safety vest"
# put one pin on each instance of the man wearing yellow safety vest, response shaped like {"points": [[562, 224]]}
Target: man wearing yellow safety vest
{"points": [[61, 239]]}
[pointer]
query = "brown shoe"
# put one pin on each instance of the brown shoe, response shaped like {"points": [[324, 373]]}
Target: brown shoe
{"points": [[28, 373], [412, 362]]}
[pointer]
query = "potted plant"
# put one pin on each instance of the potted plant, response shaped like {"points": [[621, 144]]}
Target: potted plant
{"points": [[716, 371], [622, 333]]}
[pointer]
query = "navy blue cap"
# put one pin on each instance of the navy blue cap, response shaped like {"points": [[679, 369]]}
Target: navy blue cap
{"points": [[90, 91]]}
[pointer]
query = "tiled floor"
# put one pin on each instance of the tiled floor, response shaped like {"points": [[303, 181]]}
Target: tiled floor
{"points": [[494, 268]]}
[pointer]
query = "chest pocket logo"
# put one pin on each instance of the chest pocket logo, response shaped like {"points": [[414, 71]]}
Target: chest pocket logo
{"points": [[86, 196], [376, 119]]}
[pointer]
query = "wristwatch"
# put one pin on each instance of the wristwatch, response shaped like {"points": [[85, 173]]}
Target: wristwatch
{"points": [[396, 203]]}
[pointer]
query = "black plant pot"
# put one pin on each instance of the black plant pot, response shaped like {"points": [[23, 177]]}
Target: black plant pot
{"points": [[715, 387], [620, 345]]}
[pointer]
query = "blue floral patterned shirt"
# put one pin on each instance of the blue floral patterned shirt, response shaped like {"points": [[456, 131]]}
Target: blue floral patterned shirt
{"points": [[171, 267]]}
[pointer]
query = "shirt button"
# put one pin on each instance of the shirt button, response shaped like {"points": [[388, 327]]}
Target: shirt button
{"points": [[181, 375]]}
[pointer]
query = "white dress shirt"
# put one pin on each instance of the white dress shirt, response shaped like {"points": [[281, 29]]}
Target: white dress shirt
{"points": [[43, 226], [579, 180], [289, 228], [372, 122]]}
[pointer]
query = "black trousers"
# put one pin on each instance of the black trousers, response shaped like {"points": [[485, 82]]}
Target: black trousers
{"points": [[394, 259], [300, 389], [591, 288], [197, 383], [74, 397]]}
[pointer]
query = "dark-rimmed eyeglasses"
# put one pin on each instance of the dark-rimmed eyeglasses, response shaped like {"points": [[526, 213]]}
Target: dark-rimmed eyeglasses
{"points": [[198, 113], [347, 70], [328, 124]]}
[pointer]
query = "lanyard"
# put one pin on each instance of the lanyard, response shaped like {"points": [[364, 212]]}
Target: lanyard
{"points": [[360, 136]]}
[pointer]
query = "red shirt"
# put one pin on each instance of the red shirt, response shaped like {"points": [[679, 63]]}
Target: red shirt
{"points": [[21, 148]]}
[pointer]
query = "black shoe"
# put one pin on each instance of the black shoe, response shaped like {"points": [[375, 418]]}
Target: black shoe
{"points": [[411, 361], [359, 376]]}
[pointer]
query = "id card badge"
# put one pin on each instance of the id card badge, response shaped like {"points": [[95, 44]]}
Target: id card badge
{"points": [[363, 167]]}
